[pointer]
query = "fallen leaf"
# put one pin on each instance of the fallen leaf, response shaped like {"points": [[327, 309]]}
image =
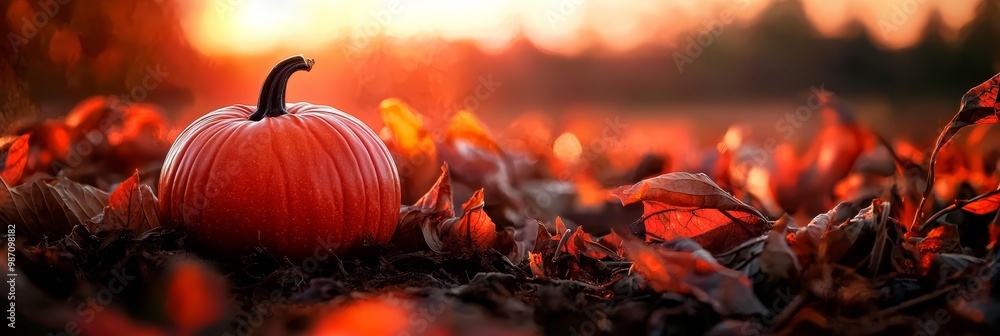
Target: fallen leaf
{"points": [[689, 246], [983, 204], [979, 205], [465, 126], [537, 264], [196, 296], [806, 242], [942, 239], [841, 238], [578, 243], [418, 224], [517, 243], [994, 233], [474, 231], [729, 292], [15, 158], [831, 156], [130, 206], [979, 107], [688, 205], [478, 162], [113, 321], [50, 207], [437, 200], [777, 259], [373, 316], [413, 149]]}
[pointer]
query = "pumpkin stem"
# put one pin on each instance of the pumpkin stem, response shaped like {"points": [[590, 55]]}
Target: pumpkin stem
{"points": [[272, 95]]}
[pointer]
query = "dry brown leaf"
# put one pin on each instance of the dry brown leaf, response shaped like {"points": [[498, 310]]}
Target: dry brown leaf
{"points": [[806, 241], [777, 259], [678, 205], [50, 207], [418, 224], [729, 292]]}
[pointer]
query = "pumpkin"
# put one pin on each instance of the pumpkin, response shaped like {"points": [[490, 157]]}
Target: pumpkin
{"points": [[301, 180]]}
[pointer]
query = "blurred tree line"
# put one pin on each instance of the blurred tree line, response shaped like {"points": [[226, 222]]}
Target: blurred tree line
{"points": [[61, 51]]}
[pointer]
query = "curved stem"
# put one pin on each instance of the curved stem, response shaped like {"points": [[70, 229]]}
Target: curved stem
{"points": [[272, 94]]}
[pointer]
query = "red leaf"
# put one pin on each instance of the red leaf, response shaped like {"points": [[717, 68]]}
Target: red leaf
{"points": [[196, 296], [942, 239], [979, 107], [373, 316], [691, 205], [578, 242], [979, 205], [473, 231], [17, 158], [728, 291], [112, 321], [131, 206], [438, 199], [418, 224], [984, 204], [994, 230]]}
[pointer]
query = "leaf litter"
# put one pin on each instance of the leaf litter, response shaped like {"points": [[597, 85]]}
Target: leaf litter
{"points": [[697, 261]]}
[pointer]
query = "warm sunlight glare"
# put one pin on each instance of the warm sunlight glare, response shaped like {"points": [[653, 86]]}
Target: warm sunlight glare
{"points": [[567, 147], [562, 26]]}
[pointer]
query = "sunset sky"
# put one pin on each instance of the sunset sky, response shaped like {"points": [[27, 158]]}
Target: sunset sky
{"points": [[559, 26]]}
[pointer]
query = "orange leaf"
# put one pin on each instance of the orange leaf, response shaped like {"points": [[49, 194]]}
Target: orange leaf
{"points": [[985, 204], [375, 317], [196, 296], [478, 161], [131, 206], [537, 264], [413, 149], [473, 231], [438, 198], [16, 159], [578, 243], [727, 291], [465, 126], [408, 132], [688, 205]]}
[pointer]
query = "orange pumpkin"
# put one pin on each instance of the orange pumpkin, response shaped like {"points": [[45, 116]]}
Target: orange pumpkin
{"points": [[298, 179]]}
